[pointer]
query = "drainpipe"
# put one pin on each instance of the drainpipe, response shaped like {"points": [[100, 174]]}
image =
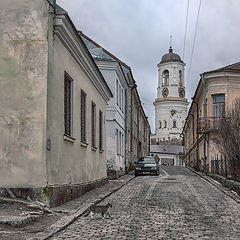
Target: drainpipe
{"points": [[204, 117], [127, 127], [197, 147]]}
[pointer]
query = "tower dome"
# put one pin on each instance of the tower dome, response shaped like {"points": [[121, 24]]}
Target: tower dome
{"points": [[171, 57]]}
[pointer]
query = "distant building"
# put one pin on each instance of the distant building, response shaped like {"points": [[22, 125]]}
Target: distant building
{"points": [[127, 126], [171, 155], [215, 93], [170, 104], [52, 105]]}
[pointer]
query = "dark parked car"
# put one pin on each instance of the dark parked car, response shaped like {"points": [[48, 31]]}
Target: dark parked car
{"points": [[147, 165]]}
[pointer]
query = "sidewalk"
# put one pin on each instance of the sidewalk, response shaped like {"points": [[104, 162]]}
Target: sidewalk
{"points": [[218, 185], [60, 216]]}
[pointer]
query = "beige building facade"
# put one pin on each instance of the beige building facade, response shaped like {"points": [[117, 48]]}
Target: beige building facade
{"points": [[214, 95], [52, 105], [128, 129]]}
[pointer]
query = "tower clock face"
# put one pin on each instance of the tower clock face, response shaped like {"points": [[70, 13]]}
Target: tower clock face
{"points": [[165, 92], [181, 92]]}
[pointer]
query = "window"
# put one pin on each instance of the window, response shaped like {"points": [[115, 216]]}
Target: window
{"points": [[68, 82], [123, 145], [174, 124], [93, 124], [165, 77], [160, 124], [120, 97], [180, 77], [165, 123], [218, 105], [117, 142], [117, 91], [83, 116], [100, 130]]}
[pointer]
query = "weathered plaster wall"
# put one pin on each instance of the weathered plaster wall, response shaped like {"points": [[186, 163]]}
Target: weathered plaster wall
{"points": [[70, 162], [23, 92]]}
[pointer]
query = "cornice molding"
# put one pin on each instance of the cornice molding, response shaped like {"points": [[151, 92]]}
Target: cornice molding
{"points": [[171, 99], [70, 39], [115, 66]]}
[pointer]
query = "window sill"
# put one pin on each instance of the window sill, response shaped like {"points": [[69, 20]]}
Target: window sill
{"points": [[68, 138], [94, 148], [84, 144]]}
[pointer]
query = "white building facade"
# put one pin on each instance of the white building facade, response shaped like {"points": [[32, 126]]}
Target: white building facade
{"points": [[170, 104]]}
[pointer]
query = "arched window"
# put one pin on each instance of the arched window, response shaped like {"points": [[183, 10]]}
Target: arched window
{"points": [[174, 124], [160, 124], [165, 77], [165, 123], [180, 77]]}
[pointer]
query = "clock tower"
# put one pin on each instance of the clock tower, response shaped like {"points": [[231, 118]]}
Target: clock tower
{"points": [[170, 104]]}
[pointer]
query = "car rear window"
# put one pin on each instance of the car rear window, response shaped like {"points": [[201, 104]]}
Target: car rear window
{"points": [[147, 160]]}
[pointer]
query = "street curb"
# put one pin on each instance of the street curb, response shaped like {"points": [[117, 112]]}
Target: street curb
{"points": [[65, 221], [218, 185]]}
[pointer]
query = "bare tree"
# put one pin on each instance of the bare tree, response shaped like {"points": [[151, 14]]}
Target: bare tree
{"points": [[228, 139]]}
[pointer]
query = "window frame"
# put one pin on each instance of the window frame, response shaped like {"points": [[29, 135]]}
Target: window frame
{"points": [[100, 130], [83, 116], [93, 125], [68, 106]]}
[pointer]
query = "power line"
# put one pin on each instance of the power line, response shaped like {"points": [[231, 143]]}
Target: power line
{"points": [[185, 34], [194, 40]]}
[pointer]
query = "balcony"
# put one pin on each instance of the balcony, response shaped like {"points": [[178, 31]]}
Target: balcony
{"points": [[209, 124]]}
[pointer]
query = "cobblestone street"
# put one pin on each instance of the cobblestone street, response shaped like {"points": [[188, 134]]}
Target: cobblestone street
{"points": [[178, 204]]}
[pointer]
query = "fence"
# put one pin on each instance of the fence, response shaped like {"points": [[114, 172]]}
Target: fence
{"points": [[219, 166]]}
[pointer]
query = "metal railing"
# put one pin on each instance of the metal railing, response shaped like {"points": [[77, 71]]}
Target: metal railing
{"points": [[209, 124]]}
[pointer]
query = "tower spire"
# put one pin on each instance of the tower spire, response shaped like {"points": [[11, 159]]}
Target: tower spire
{"points": [[170, 48]]}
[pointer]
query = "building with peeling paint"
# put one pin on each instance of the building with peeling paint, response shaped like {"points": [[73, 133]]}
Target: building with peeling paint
{"points": [[52, 105]]}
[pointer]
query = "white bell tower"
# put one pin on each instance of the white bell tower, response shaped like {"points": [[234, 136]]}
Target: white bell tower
{"points": [[170, 104]]}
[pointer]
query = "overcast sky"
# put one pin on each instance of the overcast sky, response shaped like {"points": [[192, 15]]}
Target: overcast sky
{"points": [[138, 32]]}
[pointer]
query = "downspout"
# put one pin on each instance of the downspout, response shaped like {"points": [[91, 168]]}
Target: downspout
{"points": [[193, 135], [205, 118], [197, 148], [127, 127]]}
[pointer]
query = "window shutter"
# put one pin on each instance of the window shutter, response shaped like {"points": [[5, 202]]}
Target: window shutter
{"points": [[93, 123], [83, 116], [68, 104], [100, 131]]}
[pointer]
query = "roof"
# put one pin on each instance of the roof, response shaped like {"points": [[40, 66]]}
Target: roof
{"points": [[167, 149], [58, 9], [171, 57], [100, 53], [235, 67]]}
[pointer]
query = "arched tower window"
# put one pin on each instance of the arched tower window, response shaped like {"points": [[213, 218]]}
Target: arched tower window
{"points": [[174, 124], [160, 124], [165, 77], [180, 78], [165, 123]]}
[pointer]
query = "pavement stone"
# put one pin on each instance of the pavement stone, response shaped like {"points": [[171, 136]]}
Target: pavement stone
{"points": [[78, 207], [178, 204]]}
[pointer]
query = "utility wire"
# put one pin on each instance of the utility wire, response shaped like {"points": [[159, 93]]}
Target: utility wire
{"points": [[185, 34], [194, 40]]}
